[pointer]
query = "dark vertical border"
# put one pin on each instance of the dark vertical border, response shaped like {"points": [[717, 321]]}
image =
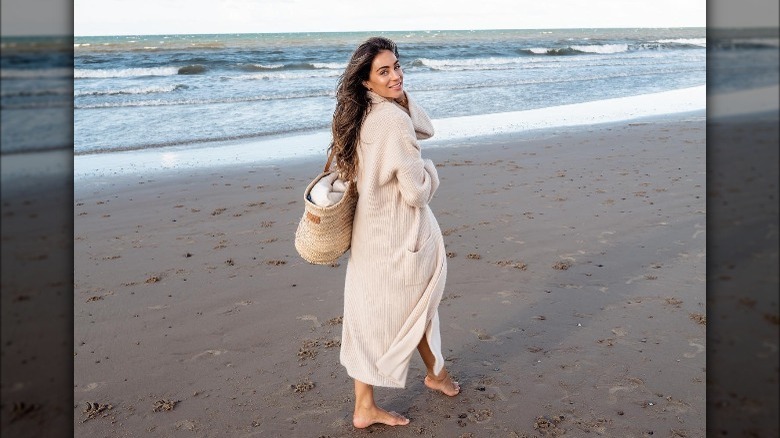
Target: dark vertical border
{"points": [[742, 252], [37, 281]]}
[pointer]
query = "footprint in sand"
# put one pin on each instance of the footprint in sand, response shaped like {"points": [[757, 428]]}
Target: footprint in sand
{"points": [[699, 349], [311, 318], [607, 233], [631, 387], [496, 393], [481, 416], [208, 353], [619, 332], [483, 335], [615, 389], [633, 279], [678, 406], [186, 425], [572, 286], [92, 386]]}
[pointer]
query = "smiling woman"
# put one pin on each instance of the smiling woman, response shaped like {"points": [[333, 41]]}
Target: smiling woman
{"points": [[397, 268]]}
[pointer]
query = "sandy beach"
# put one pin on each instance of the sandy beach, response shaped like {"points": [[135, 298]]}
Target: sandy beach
{"points": [[575, 301]]}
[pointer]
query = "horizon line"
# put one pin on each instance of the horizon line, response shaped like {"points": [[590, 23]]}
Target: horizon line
{"points": [[403, 30]]}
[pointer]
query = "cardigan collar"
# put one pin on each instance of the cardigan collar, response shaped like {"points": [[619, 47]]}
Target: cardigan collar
{"points": [[423, 127]]}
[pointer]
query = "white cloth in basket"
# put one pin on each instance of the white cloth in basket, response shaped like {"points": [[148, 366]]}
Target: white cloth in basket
{"points": [[328, 191]]}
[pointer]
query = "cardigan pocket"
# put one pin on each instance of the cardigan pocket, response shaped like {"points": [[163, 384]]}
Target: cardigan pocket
{"points": [[420, 265]]}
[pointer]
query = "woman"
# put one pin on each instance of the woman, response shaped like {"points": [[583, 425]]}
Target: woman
{"points": [[397, 265]]}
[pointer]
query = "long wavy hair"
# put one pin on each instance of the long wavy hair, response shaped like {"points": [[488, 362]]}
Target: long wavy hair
{"points": [[353, 104]]}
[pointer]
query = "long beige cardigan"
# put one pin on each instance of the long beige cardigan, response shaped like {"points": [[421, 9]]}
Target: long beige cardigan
{"points": [[397, 264]]}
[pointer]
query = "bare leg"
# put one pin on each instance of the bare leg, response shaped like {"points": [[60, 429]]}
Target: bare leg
{"points": [[443, 382], [368, 413]]}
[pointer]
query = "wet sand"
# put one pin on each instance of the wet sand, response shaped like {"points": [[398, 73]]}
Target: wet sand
{"points": [[575, 300]]}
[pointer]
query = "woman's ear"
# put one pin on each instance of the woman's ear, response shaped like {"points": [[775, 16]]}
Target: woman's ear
{"points": [[365, 84]]}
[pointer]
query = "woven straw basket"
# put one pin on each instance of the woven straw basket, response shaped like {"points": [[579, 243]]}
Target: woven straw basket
{"points": [[325, 233]]}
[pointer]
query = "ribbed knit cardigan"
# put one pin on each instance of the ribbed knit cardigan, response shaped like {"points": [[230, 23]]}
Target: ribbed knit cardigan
{"points": [[397, 265]]}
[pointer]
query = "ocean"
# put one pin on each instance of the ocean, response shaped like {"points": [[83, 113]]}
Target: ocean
{"points": [[97, 95], [147, 92]]}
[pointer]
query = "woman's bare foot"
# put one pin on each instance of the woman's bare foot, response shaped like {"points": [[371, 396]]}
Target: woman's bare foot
{"points": [[364, 417], [443, 382]]}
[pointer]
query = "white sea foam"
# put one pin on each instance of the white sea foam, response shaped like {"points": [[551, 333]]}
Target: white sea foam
{"points": [[602, 48], [472, 63], [448, 130], [268, 66], [292, 74], [602, 111], [81, 73], [468, 62], [329, 65], [135, 90]]}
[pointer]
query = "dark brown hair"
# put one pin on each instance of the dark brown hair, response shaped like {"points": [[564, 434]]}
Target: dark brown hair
{"points": [[353, 104]]}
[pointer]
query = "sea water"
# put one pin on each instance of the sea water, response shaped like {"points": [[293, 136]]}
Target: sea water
{"points": [[146, 92]]}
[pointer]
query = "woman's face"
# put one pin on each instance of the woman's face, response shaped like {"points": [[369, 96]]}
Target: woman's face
{"points": [[386, 77]]}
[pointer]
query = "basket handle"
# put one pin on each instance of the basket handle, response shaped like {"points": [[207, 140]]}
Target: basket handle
{"points": [[330, 159], [352, 187]]}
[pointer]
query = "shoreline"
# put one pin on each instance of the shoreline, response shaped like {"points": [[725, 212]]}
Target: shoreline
{"points": [[450, 130], [316, 159]]}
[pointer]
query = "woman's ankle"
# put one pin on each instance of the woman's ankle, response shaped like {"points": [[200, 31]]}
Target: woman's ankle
{"points": [[440, 378]]}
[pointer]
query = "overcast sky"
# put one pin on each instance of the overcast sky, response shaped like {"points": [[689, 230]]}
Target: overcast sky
{"points": [[101, 17], [121, 17]]}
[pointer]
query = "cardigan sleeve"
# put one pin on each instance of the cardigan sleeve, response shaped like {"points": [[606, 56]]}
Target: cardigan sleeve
{"points": [[417, 177]]}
